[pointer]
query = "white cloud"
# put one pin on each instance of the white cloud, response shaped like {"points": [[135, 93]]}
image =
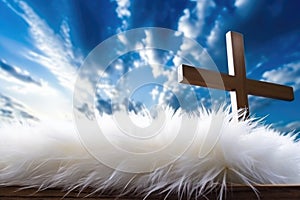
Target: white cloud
{"points": [[154, 92], [288, 74], [123, 13], [187, 51], [240, 3], [245, 7], [187, 27], [192, 21], [44, 101], [122, 9], [20, 82], [195, 53], [214, 34], [151, 57]]}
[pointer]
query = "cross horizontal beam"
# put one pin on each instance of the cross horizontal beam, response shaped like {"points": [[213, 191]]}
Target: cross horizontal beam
{"points": [[212, 79]]}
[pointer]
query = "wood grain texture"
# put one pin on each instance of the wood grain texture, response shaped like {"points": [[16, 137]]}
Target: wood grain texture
{"points": [[275, 192], [212, 79], [237, 68]]}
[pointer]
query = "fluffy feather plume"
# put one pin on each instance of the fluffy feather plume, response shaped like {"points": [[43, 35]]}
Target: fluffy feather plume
{"points": [[222, 151]]}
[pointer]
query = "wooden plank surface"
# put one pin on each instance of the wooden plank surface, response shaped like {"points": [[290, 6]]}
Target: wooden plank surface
{"points": [[234, 192]]}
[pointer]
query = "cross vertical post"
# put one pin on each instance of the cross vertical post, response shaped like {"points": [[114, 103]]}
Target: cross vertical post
{"points": [[237, 68]]}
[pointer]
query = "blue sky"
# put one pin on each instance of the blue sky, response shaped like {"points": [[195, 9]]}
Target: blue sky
{"points": [[44, 43]]}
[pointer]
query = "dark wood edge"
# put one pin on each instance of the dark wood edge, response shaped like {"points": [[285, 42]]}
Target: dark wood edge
{"points": [[233, 192]]}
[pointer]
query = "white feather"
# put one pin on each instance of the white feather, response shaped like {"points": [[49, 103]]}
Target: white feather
{"points": [[50, 154]]}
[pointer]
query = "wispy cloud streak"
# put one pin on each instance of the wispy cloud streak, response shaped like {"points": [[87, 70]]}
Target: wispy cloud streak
{"points": [[13, 111], [18, 73], [54, 51]]}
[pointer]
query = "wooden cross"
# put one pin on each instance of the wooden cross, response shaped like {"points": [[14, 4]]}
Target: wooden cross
{"points": [[236, 81]]}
